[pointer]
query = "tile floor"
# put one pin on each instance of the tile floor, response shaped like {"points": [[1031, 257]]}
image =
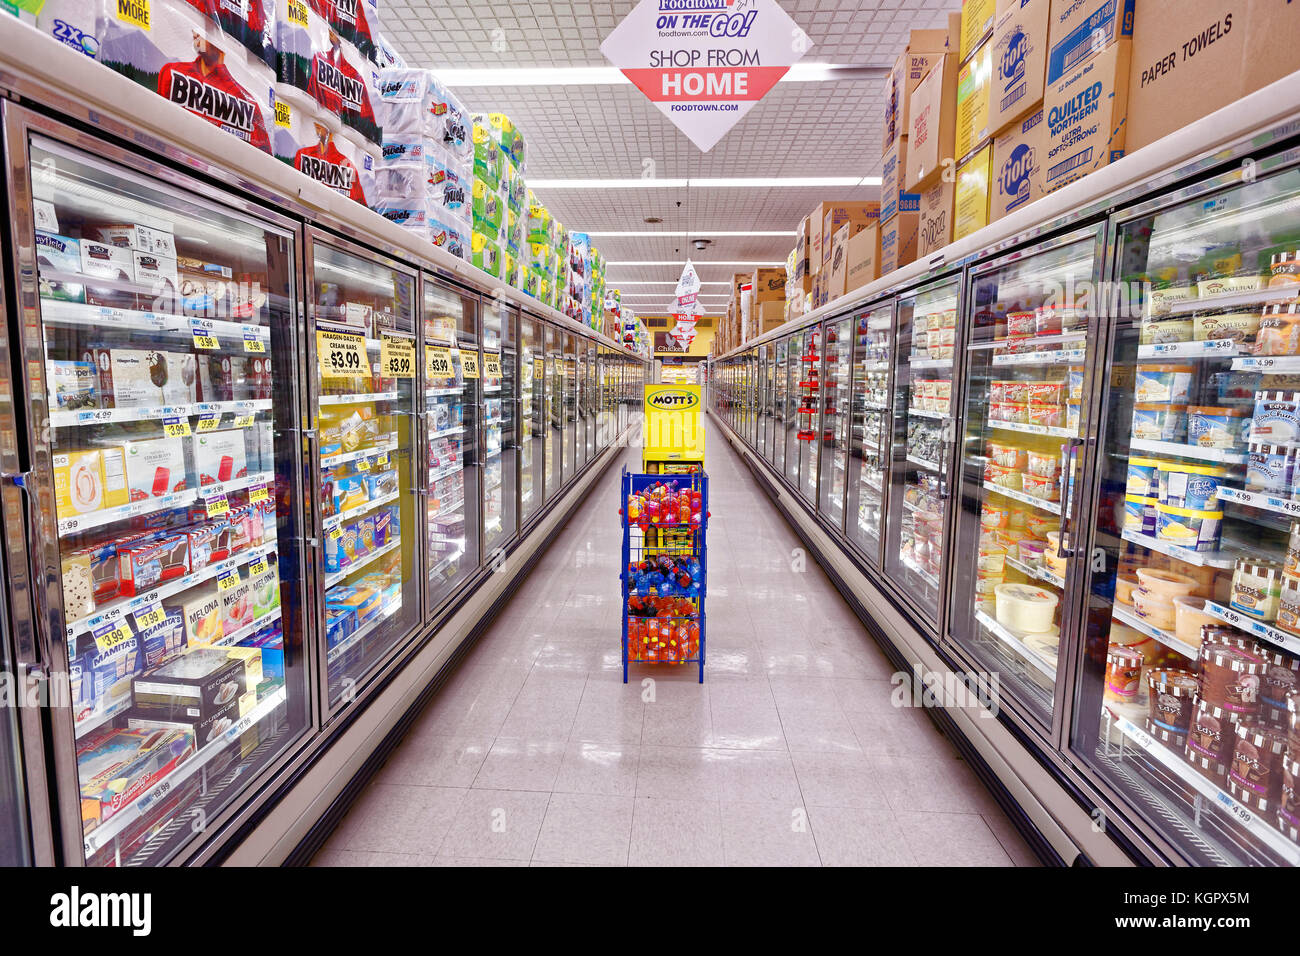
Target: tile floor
{"points": [[789, 754]]}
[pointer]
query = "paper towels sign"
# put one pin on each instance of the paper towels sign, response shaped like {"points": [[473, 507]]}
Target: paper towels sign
{"points": [[705, 63]]}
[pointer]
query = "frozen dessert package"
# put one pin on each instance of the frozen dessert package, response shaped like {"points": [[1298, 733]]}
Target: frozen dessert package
{"points": [[314, 58], [186, 59]]}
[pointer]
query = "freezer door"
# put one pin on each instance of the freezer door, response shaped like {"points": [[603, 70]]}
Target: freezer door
{"points": [[162, 391], [836, 412], [532, 434], [776, 451], [553, 415], [1185, 697], [500, 430], [1031, 344], [364, 362], [795, 415], [809, 412], [868, 474]]}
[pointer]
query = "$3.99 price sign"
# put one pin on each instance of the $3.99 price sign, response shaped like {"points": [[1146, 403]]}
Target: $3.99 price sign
{"points": [[341, 354], [437, 362], [396, 357]]}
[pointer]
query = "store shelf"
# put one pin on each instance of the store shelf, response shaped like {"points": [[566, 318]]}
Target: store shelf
{"points": [[925, 413], [1222, 455], [1258, 499], [923, 463], [1262, 828], [1212, 559], [359, 635], [230, 640], [1054, 357], [102, 836], [105, 416], [333, 521], [1229, 300], [1214, 348], [56, 312], [929, 363], [177, 499], [346, 457], [908, 506], [98, 718], [1021, 649], [357, 398], [920, 572], [1288, 642], [1288, 364], [443, 392], [436, 476], [453, 430], [1051, 507], [369, 559], [1122, 614], [1034, 429], [1037, 573]]}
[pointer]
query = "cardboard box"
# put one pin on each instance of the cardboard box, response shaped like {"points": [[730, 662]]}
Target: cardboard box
{"points": [[889, 115], [891, 180], [863, 254], [859, 214], [1077, 30], [973, 81], [971, 197], [838, 267], [1085, 113], [898, 237], [1019, 45], [154, 467], [976, 22], [934, 229], [770, 314], [818, 238], [931, 138], [801, 249], [769, 285], [1017, 167], [909, 70]]}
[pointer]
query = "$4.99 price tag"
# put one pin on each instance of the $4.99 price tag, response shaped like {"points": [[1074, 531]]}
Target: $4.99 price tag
{"points": [[437, 362], [396, 357], [341, 354]]}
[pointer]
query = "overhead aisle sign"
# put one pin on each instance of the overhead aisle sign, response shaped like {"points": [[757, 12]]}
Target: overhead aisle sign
{"points": [[705, 63]]}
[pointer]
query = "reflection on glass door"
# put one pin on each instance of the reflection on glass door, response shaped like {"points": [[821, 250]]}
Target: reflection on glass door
{"points": [[499, 427], [1193, 648], [532, 429], [836, 409], [1025, 397], [590, 399], [810, 397], [869, 440], [922, 419], [452, 376]]}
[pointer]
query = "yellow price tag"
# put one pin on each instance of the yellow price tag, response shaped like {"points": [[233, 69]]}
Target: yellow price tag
{"points": [[254, 345], [382, 460], [208, 423], [176, 427], [437, 362], [149, 617], [257, 494], [539, 369], [469, 364], [217, 505], [228, 579], [111, 635], [335, 533], [244, 421], [204, 341], [341, 354], [363, 464], [492, 365], [257, 567], [396, 357]]}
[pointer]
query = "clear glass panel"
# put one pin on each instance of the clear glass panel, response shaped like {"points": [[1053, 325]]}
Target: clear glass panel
{"points": [[500, 441], [869, 442], [795, 419], [590, 401], [569, 411], [810, 398], [169, 331], [927, 327], [1193, 633], [836, 410], [760, 431], [779, 407], [452, 376], [532, 404], [554, 413], [1027, 357]]}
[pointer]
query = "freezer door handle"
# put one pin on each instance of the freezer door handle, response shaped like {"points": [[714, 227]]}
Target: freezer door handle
{"points": [[32, 652], [1069, 459]]}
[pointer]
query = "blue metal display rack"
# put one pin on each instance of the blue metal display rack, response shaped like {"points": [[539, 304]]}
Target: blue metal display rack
{"points": [[665, 566]]}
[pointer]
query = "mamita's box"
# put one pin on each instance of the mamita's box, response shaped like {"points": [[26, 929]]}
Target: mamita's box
{"points": [[1085, 113]]}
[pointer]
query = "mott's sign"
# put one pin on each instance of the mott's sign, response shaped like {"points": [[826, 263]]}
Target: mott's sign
{"points": [[672, 430], [673, 400], [705, 63]]}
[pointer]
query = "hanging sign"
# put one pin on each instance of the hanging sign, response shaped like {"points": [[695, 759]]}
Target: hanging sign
{"points": [[705, 63]]}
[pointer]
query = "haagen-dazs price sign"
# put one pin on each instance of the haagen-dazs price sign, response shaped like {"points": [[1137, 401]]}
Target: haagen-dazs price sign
{"points": [[341, 354], [705, 63]]}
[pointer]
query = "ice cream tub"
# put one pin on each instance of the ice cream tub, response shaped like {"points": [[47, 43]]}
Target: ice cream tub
{"points": [[1048, 489], [1170, 700], [992, 559], [1215, 426], [1024, 608], [1256, 588], [1123, 673], [1277, 418], [1008, 456], [1021, 324], [1165, 384], [987, 581], [1224, 285], [1156, 609], [1190, 486], [1288, 606], [1160, 422], [1003, 477], [1237, 327], [1043, 464], [1031, 552], [1269, 469], [994, 516], [1161, 331], [1046, 416], [1039, 525], [1142, 479], [1279, 330], [1165, 583], [1188, 528]]}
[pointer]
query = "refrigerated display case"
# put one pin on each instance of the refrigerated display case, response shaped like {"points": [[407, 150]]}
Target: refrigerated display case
{"points": [[920, 457], [868, 464], [157, 328], [363, 314], [553, 413], [451, 421], [1186, 692], [776, 448], [837, 370], [794, 418], [500, 441], [1027, 395], [809, 413], [532, 431], [568, 368]]}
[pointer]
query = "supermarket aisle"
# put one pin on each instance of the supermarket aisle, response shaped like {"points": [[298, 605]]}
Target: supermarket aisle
{"points": [[790, 753]]}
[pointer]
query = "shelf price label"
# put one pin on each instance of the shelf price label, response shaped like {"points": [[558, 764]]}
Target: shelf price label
{"points": [[396, 357], [176, 427], [335, 533], [469, 364], [228, 579], [363, 464], [257, 494], [150, 616], [382, 460], [204, 340], [217, 505], [257, 567], [111, 635], [492, 364], [437, 362], [253, 342], [207, 423], [244, 421], [341, 354]]}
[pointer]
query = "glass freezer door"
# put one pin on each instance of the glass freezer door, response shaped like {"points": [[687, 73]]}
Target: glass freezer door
{"points": [[794, 417], [809, 413], [779, 410], [922, 440], [869, 438], [1026, 393], [532, 437], [836, 410], [363, 313], [1186, 690], [163, 364], [500, 440], [553, 415], [451, 414], [569, 408]]}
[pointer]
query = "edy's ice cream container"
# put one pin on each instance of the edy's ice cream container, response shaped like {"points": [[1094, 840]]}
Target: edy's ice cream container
{"points": [[1160, 422], [1190, 486], [1277, 418], [1269, 469], [1279, 330], [1158, 331], [1170, 384], [1188, 528], [1214, 426]]}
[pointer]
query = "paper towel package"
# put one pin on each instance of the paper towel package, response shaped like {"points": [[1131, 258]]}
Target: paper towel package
{"points": [[313, 57], [313, 145], [355, 20], [250, 23], [414, 105]]}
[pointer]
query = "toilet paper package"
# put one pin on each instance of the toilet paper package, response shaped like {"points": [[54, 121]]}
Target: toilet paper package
{"points": [[486, 254], [488, 208], [489, 162], [414, 107], [186, 59], [313, 57]]}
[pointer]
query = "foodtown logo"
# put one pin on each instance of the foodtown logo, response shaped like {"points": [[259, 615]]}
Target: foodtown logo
{"points": [[693, 6]]}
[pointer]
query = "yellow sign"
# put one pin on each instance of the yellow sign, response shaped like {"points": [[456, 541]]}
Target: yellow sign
{"points": [[254, 345], [437, 362], [107, 638], [150, 616], [341, 354], [208, 423], [469, 364], [257, 567], [672, 430], [257, 494], [492, 365], [228, 579], [217, 505], [243, 421], [176, 427], [135, 12], [283, 114], [202, 341], [396, 357]]}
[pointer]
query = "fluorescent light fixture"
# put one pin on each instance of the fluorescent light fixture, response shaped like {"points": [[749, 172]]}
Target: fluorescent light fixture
{"points": [[747, 182], [695, 262], [608, 184], [607, 75], [613, 282], [692, 232]]}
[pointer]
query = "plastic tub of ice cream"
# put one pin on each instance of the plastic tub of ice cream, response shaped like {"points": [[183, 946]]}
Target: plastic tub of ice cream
{"points": [[1031, 552], [1140, 514], [1161, 331], [1052, 557], [1025, 608], [1165, 583], [1188, 528], [1046, 393], [1156, 609], [1269, 469], [1047, 416], [1215, 426], [1048, 489], [1277, 418], [1190, 617], [992, 559], [1123, 673], [1279, 330], [1223, 285], [1159, 422], [1142, 479], [1190, 486], [1008, 456], [1040, 525], [1164, 384], [1003, 477], [994, 515], [1125, 584], [1237, 327], [1043, 464]]}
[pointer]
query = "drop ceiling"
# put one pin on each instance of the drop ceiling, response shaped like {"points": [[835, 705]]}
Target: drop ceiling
{"points": [[827, 128]]}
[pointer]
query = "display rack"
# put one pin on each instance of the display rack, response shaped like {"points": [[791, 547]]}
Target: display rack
{"points": [[809, 387], [664, 571]]}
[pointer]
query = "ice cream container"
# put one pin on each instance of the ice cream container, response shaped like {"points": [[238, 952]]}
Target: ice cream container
{"points": [[1188, 528], [1277, 418], [1140, 514], [1171, 698], [1024, 608], [1156, 609], [1255, 771], [1237, 327], [1038, 525], [1046, 393], [1190, 486], [1142, 480], [1043, 464], [1166, 384], [1288, 607], [994, 515], [1003, 477], [1162, 296], [992, 559], [1231, 678], [1008, 456], [1021, 324], [1047, 416], [1055, 562], [1159, 331], [1124, 586], [1123, 673], [1279, 330], [1256, 588], [1269, 469], [1214, 426], [1166, 584], [1031, 552], [1284, 270], [1159, 422], [1072, 416], [1211, 731], [987, 581], [1037, 486], [1189, 618]]}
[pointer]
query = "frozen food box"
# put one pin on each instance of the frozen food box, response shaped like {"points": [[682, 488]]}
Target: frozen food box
{"points": [[158, 275], [55, 253], [349, 492], [246, 529], [236, 608], [102, 261], [363, 602], [147, 239], [199, 688], [116, 766], [253, 673], [154, 467], [103, 571], [271, 645], [164, 640], [78, 586], [86, 481], [142, 566], [136, 378], [220, 456], [265, 589], [202, 610], [72, 385], [204, 540], [340, 622]]}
